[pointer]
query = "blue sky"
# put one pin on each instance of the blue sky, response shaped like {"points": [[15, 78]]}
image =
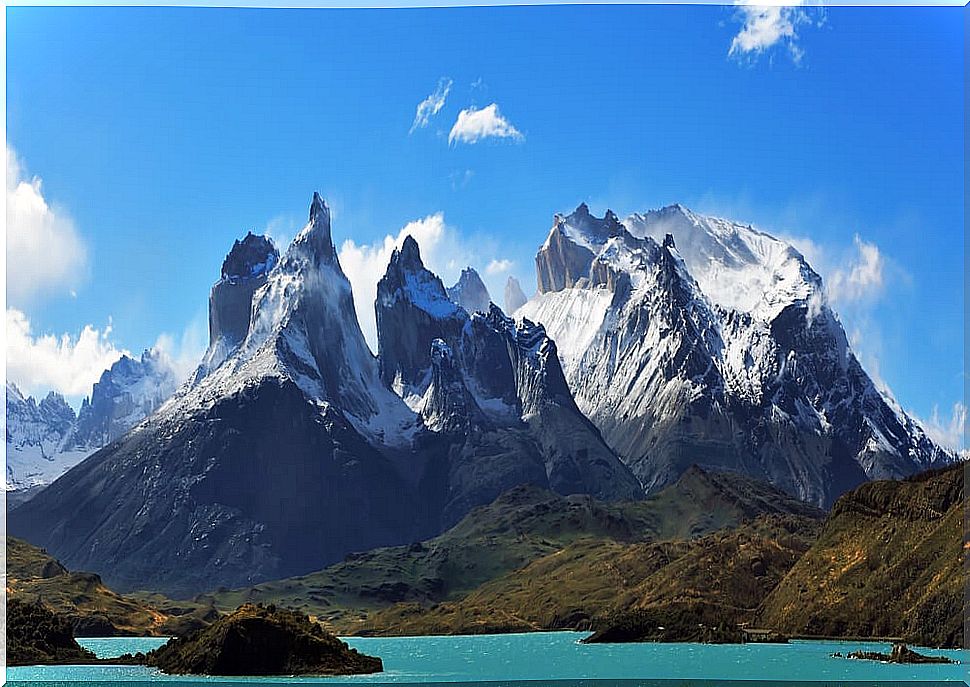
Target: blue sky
{"points": [[160, 135]]}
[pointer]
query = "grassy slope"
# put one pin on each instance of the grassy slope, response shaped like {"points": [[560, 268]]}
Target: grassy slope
{"points": [[82, 599], [588, 583], [523, 526], [888, 562]]}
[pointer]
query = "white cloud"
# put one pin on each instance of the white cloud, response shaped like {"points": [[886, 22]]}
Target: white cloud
{"points": [[861, 278], [281, 230], [37, 363], [443, 251], [764, 25], [853, 277], [947, 431], [45, 253], [473, 125], [185, 351], [499, 266], [431, 105]]}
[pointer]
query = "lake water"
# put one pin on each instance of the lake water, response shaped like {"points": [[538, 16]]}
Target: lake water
{"points": [[554, 657]]}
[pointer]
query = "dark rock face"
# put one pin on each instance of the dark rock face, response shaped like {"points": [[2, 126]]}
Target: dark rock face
{"points": [[243, 271], [470, 292], [492, 391], [261, 641], [514, 297], [36, 636], [214, 499], [413, 309], [448, 405], [129, 391]]}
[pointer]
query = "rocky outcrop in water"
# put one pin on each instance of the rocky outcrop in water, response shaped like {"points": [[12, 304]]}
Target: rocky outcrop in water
{"points": [[254, 640], [900, 653]]}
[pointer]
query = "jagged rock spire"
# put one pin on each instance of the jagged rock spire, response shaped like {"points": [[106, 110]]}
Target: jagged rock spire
{"points": [[314, 242]]}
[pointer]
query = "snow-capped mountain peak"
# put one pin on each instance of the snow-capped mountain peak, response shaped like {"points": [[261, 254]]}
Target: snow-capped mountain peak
{"points": [[688, 339], [314, 242], [736, 266], [304, 328]]}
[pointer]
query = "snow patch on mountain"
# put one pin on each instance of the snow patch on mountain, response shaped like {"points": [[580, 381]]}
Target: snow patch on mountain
{"points": [[735, 265]]}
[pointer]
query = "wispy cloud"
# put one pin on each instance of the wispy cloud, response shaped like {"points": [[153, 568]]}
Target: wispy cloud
{"points": [[947, 431], [431, 105], [45, 252], [473, 125], [185, 350], [68, 364], [499, 266], [862, 277], [765, 25], [460, 179]]}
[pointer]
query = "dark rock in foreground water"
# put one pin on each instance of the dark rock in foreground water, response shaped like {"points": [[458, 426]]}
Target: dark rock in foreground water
{"points": [[257, 640], [900, 654], [36, 635]]}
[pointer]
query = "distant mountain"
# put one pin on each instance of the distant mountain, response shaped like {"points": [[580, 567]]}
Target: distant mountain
{"points": [[470, 292], [46, 439], [38, 437], [514, 296], [689, 339], [890, 562], [128, 392], [293, 445]]}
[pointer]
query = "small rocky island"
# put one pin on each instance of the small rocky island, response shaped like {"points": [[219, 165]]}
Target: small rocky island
{"points": [[38, 636], [258, 640], [900, 654]]}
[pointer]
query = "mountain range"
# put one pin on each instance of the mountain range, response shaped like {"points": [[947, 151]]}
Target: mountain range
{"points": [[293, 445], [690, 339], [291, 420], [46, 439]]}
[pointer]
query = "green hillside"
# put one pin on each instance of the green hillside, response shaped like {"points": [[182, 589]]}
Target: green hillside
{"points": [[91, 608], [889, 562], [524, 525]]}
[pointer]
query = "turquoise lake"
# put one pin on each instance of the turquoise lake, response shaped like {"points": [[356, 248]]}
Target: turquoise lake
{"points": [[552, 657]]}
